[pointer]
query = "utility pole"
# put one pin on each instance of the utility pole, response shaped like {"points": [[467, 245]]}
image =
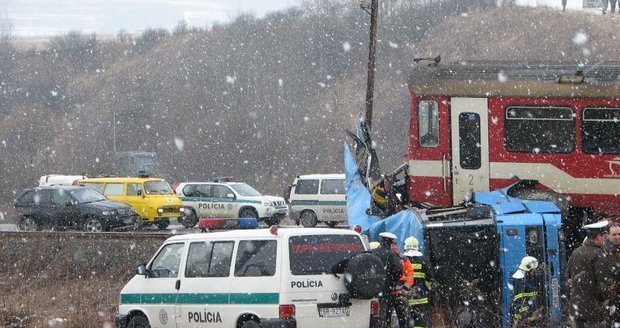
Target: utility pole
{"points": [[373, 10]]}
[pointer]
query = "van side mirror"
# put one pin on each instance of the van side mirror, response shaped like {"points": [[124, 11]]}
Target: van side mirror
{"points": [[141, 270], [139, 192]]}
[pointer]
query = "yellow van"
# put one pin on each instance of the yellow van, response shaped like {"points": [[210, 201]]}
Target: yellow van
{"points": [[152, 198]]}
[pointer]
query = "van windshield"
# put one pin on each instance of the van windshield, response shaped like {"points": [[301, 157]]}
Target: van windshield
{"points": [[157, 188], [319, 254], [245, 190]]}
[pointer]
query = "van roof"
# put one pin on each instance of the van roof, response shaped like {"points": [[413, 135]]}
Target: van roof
{"points": [[261, 233], [120, 179], [322, 176]]}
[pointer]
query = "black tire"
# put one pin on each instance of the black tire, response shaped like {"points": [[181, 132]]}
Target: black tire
{"points": [[94, 225], [251, 324], [190, 219], [332, 224], [138, 321], [28, 224], [308, 219], [364, 276], [163, 224], [272, 221], [248, 213]]}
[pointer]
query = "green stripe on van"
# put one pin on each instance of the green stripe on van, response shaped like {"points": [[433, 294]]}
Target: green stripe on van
{"points": [[319, 202], [218, 200], [201, 298]]}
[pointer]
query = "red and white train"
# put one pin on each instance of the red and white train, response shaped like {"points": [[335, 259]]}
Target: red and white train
{"points": [[478, 126]]}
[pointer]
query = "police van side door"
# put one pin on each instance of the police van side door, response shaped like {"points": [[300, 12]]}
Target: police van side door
{"points": [[156, 292], [204, 299], [470, 147]]}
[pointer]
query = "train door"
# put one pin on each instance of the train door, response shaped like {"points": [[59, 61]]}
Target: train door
{"points": [[470, 147]]}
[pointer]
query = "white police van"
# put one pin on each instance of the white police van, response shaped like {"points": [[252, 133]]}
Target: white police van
{"points": [[224, 198], [285, 278], [315, 198]]}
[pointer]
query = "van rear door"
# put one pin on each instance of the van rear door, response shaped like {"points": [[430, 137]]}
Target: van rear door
{"points": [[316, 283]]}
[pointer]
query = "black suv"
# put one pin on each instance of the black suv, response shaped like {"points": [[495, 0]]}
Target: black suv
{"points": [[72, 207]]}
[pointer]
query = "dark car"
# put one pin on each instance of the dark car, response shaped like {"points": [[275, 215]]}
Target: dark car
{"points": [[71, 207]]}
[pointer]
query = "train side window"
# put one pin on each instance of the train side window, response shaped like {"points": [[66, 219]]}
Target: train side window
{"points": [[539, 129], [600, 131], [428, 123]]}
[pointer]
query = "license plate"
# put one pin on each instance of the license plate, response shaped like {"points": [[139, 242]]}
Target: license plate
{"points": [[331, 312]]}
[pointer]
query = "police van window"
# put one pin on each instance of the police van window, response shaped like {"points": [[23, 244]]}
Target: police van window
{"points": [[539, 129], [320, 254], [209, 259], [428, 123], [307, 187], [97, 186], [332, 186], [469, 141], [167, 262], [256, 258], [600, 131], [114, 189]]}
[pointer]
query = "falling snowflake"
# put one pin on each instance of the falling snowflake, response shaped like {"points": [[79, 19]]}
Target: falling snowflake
{"points": [[179, 143], [346, 46], [580, 38]]}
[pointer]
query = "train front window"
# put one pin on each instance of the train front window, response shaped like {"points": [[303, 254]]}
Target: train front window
{"points": [[428, 123], [600, 132], [539, 129]]}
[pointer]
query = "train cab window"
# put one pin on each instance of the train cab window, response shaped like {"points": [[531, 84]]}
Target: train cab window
{"points": [[600, 131], [428, 123], [539, 129]]}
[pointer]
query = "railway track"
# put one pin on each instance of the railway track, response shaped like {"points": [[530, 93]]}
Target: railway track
{"points": [[4, 235]]}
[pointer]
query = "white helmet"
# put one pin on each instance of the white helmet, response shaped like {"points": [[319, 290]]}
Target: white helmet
{"points": [[412, 244], [373, 245], [528, 263]]}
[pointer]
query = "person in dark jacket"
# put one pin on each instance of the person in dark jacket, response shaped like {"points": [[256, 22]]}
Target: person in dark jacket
{"points": [[612, 246], [524, 310], [393, 273], [589, 279]]}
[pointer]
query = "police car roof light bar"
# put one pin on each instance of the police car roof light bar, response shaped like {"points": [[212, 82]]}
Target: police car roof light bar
{"points": [[222, 179]]}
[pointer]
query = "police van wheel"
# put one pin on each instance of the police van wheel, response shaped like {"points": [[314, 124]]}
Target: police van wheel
{"points": [[138, 322], [251, 324], [190, 219], [163, 224], [248, 213], [364, 276], [308, 219]]}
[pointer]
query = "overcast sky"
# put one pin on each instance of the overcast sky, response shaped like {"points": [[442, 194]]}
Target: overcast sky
{"points": [[51, 17]]}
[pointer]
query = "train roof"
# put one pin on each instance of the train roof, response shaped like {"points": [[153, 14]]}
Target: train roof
{"points": [[510, 79]]}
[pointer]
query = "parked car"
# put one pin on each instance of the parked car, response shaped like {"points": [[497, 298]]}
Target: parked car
{"points": [[223, 198], [152, 198], [72, 207]]}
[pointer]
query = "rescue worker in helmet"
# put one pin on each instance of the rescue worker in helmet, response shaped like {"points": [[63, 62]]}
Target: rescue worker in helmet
{"points": [[393, 273], [419, 296], [524, 309]]}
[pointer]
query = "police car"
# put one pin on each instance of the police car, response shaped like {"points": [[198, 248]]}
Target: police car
{"points": [[225, 198], [261, 278]]}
